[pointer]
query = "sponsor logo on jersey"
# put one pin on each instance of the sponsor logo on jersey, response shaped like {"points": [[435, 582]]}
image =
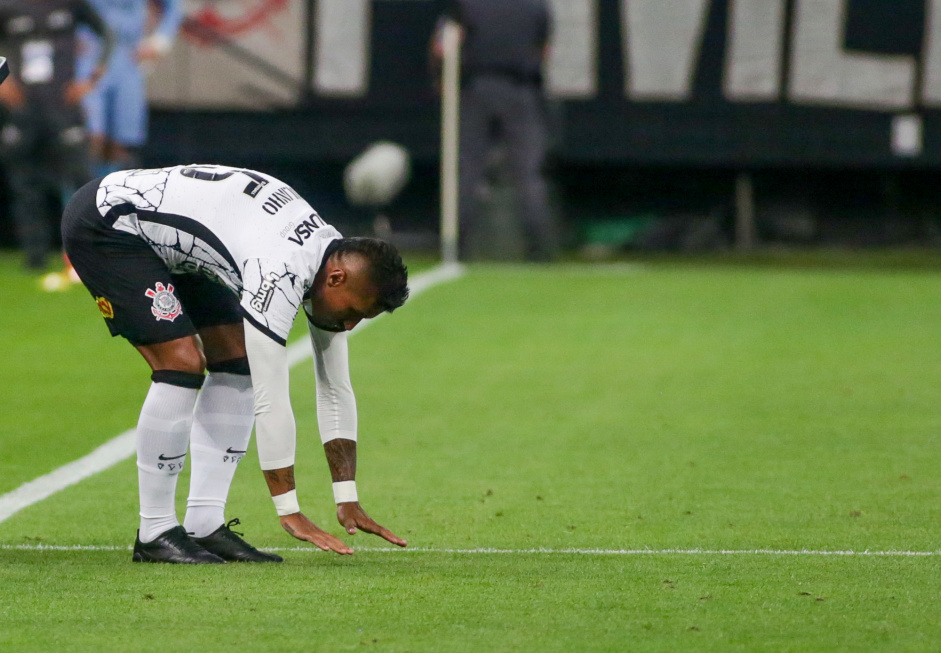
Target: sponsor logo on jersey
{"points": [[306, 229], [254, 187], [279, 198], [107, 310], [166, 305], [262, 299]]}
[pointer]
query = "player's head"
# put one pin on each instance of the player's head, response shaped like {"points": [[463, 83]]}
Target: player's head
{"points": [[359, 279]]}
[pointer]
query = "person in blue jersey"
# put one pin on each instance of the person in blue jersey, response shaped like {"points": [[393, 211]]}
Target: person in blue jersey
{"points": [[116, 110]]}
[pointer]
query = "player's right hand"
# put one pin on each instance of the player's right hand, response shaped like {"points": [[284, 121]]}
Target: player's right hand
{"points": [[304, 529], [11, 94], [76, 89]]}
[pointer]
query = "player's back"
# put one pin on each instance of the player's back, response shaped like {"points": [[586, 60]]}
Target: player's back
{"points": [[208, 213]]}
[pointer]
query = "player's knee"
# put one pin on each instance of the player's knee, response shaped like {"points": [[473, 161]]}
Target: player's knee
{"points": [[232, 366], [178, 378], [181, 355]]}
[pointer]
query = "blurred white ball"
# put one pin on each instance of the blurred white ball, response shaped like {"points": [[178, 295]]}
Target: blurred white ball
{"points": [[54, 282], [378, 175]]}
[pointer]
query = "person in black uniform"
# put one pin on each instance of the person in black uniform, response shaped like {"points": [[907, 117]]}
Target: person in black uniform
{"points": [[43, 142], [504, 44]]}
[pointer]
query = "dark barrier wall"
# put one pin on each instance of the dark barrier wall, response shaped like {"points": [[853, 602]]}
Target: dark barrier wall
{"points": [[832, 82], [744, 83]]}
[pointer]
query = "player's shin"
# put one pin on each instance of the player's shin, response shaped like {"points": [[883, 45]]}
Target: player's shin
{"points": [[163, 432], [222, 427]]}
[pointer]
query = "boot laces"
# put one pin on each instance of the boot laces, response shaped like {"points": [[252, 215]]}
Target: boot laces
{"points": [[234, 522]]}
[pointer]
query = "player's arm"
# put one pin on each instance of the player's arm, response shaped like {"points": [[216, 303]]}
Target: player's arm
{"points": [[276, 436], [337, 420], [88, 15], [159, 42]]}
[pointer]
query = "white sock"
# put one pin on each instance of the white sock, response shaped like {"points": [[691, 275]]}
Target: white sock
{"points": [[163, 433], [222, 427]]}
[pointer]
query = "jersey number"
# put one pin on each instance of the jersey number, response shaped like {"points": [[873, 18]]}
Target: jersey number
{"points": [[254, 186]]}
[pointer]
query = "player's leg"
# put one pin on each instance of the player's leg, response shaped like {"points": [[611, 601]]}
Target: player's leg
{"points": [[135, 294], [525, 133], [222, 421], [129, 129], [475, 145], [99, 103], [94, 104], [20, 148], [163, 430], [69, 170]]}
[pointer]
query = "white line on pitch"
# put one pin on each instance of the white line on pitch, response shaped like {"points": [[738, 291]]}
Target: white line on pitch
{"points": [[123, 446], [494, 551]]}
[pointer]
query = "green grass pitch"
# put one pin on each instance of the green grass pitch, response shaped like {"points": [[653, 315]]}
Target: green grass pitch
{"points": [[641, 457]]}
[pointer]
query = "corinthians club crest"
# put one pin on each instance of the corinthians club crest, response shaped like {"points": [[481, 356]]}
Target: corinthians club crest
{"points": [[166, 305]]}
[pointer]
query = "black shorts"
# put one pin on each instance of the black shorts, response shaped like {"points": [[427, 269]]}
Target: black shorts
{"points": [[136, 293]]}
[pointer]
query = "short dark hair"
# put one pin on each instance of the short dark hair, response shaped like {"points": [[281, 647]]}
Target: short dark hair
{"points": [[387, 273]]}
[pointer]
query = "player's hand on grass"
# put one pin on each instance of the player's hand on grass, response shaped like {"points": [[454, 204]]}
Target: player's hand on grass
{"points": [[352, 516], [304, 529]]}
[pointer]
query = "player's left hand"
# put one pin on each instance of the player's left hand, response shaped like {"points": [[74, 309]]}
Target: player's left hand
{"points": [[352, 516], [147, 53], [77, 89]]}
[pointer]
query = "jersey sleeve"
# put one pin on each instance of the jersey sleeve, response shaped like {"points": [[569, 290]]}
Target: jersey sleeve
{"points": [[275, 428], [271, 296], [336, 403]]}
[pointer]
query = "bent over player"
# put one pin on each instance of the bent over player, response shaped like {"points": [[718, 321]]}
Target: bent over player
{"points": [[230, 256]]}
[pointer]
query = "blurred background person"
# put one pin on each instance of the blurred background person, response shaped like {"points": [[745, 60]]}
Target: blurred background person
{"points": [[116, 109], [43, 141], [504, 47]]}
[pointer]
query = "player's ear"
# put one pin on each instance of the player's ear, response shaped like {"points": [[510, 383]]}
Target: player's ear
{"points": [[336, 277]]}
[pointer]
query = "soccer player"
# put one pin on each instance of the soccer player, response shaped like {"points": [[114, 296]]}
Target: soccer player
{"points": [[43, 142], [230, 256], [116, 109]]}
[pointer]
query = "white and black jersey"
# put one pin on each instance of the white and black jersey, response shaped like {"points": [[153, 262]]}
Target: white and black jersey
{"points": [[244, 229], [166, 253]]}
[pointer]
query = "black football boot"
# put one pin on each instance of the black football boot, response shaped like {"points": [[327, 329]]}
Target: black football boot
{"points": [[226, 543], [174, 546]]}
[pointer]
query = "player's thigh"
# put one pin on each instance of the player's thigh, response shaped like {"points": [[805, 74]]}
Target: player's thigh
{"points": [[68, 145], [214, 311], [130, 283], [476, 119], [95, 107], [524, 130], [20, 137], [179, 355], [224, 343], [130, 109]]}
